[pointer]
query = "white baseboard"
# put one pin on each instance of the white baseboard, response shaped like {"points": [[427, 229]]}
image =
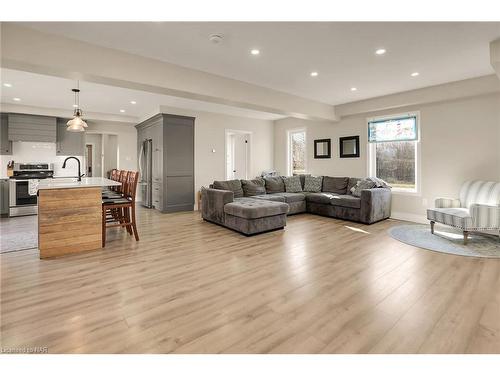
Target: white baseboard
{"points": [[405, 216]]}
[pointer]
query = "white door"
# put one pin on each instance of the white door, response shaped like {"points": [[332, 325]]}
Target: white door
{"points": [[237, 155]]}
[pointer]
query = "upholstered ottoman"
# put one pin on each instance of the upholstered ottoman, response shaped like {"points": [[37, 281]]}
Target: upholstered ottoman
{"points": [[252, 216]]}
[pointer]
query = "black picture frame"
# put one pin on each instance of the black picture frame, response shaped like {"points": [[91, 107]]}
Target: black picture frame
{"points": [[343, 153], [328, 142]]}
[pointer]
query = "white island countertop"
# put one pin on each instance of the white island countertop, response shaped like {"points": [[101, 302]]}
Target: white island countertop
{"points": [[72, 182]]}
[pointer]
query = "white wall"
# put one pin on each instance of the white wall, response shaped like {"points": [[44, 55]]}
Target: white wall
{"points": [[126, 140], [110, 152], [460, 140], [210, 135]]}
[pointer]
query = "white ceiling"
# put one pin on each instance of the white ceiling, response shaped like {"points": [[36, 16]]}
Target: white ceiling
{"points": [[342, 53], [53, 92]]}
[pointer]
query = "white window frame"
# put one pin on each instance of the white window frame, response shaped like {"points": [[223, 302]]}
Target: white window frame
{"points": [[371, 154], [289, 149]]}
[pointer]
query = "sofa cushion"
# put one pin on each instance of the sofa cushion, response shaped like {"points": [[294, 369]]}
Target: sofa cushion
{"points": [[362, 185], [337, 185], [253, 187], [255, 208], [346, 200], [291, 197], [352, 182], [271, 197], [274, 185], [323, 198], [232, 185], [313, 184], [292, 184]]}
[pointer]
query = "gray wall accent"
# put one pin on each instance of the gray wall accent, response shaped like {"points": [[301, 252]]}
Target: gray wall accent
{"points": [[31, 128]]}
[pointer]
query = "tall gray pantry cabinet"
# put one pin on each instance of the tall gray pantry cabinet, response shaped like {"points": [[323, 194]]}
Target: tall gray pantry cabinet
{"points": [[172, 177]]}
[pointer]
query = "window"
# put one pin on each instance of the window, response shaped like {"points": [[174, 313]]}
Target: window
{"points": [[296, 152], [394, 150]]}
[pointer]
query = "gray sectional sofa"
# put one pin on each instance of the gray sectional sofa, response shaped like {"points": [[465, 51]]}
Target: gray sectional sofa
{"points": [[260, 205]]}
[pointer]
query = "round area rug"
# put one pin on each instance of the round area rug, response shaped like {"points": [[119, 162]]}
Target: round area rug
{"points": [[447, 240]]}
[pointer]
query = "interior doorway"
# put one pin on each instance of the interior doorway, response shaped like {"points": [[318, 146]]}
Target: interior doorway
{"points": [[101, 154], [89, 155], [238, 146]]}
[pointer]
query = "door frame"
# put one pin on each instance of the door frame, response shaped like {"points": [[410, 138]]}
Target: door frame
{"points": [[228, 132], [93, 157]]}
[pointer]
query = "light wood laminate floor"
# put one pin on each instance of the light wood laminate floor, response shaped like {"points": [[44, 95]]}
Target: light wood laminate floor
{"points": [[319, 286]]}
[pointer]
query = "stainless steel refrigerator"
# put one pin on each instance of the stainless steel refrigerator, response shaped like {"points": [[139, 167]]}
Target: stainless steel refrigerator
{"points": [[146, 173]]}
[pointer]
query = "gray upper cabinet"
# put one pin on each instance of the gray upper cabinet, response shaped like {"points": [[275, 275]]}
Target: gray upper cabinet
{"points": [[69, 143], [5, 143], [31, 128]]}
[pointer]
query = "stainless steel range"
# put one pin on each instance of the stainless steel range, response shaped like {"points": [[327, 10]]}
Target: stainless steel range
{"points": [[21, 202]]}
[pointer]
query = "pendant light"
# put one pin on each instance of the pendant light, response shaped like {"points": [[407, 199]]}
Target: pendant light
{"points": [[76, 124]]}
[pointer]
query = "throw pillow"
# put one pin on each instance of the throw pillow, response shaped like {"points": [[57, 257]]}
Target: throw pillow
{"points": [[313, 184], [379, 182], [362, 185], [337, 185], [352, 182], [274, 185], [232, 185], [253, 187], [292, 184]]}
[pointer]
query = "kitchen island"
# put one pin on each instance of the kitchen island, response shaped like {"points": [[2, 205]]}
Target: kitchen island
{"points": [[70, 215]]}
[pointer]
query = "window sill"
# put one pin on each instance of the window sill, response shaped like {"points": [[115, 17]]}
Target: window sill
{"points": [[410, 192]]}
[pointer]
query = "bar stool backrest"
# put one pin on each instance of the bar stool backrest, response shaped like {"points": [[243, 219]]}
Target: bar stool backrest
{"points": [[114, 176], [122, 178], [131, 185]]}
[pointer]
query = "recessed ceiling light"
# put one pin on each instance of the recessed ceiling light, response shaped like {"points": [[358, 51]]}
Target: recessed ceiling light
{"points": [[314, 74], [414, 74], [255, 52], [122, 110], [133, 102], [380, 51], [7, 84], [16, 99], [354, 89]]}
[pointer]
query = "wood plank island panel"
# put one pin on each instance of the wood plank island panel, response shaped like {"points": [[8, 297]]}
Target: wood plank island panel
{"points": [[69, 221]]}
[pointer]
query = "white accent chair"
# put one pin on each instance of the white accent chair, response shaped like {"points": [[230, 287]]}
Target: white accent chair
{"points": [[477, 209]]}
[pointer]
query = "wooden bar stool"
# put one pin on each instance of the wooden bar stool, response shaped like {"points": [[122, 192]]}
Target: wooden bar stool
{"points": [[117, 191], [120, 212]]}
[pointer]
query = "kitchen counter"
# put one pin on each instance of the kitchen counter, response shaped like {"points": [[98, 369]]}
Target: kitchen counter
{"points": [[72, 183], [70, 215]]}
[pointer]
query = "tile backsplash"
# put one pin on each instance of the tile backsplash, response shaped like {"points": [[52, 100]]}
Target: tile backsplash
{"points": [[41, 152]]}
